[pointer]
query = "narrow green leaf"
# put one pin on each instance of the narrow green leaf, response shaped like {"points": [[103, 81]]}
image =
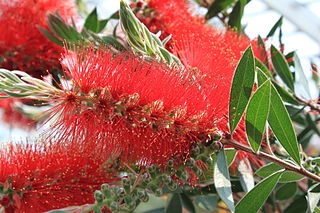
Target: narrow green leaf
{"points": [[252, 201], [257, 114], [275, 26], [281, 125], [287, 191], [113, 42], [285, 95], [313, 196], [282, 68], [187, 203], [91, 22], [218, 6], [174, 204], [301, 76], [260, 65], [262, 77], [242, 84], [50, 36], [230, 155], [222, 180], [290, 58], [316, 160], [312, 124], [298, 205], [206, 202], [246, 175], [271, 168], [236, 15]]}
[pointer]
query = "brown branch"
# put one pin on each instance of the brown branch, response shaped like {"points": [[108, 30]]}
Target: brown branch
{"points": [[313, 106], [271, 158]]}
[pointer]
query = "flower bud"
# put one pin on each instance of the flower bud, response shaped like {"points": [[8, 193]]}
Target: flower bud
{"points": [[113, 206], [98, 196], [172, 186], [190, 162], [105, 189]]}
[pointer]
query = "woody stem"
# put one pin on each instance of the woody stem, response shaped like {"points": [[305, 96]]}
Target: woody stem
{"points": [[271, 158]]}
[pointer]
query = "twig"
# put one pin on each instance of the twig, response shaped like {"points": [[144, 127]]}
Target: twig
{"points": [[271, 158], [314, 107]]}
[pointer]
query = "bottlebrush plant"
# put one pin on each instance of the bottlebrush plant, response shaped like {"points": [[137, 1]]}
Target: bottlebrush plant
{"points": [[166, 106]]}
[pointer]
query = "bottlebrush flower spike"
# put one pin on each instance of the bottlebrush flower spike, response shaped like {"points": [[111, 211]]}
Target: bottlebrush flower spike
{"points": [[211, 55], [41, 177], [141, 111], [22, 45]]}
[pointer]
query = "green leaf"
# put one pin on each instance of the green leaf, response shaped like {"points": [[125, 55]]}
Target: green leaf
{"points": [[222, 180], [274, 28], [50, 36], [252, 201], [92, 22], [230, 155], [174, 204], [218, 6], [285, 95], [302, 77], [317, 210], [113, 42], [61, 29], [257, 114], [271, 168], [299, 205], [242, 84], [313, 196], [312, 124], [290, 58], [282, 68], [236, 15], [281, 125], [263, 68], [262, 77], [287, 191], [206, 202], [246, 175], [187, 203], [316, 160]]}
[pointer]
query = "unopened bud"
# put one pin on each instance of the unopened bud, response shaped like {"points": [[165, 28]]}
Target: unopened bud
{"points": [[190, 162], [172, 186], [98, 196]]}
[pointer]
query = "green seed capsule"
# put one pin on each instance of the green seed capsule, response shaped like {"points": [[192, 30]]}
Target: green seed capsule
{"points": [[190, 162], [113, 206], [98, 196], [158, 192], [170, 163], [172, 186]]}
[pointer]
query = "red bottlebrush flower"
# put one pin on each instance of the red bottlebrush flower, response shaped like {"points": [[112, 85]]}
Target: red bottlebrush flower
{"points": [[142, 111], [42, 177], [22, 45], [210, 54], [12, 116]]}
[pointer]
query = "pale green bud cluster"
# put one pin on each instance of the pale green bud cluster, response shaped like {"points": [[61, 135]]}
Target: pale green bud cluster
{"points": [[142, 40], [18, 84]]}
